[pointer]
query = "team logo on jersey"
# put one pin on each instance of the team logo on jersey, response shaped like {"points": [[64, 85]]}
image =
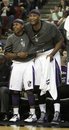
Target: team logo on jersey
{"points": [[22, 43], [36, 38], [47, 81], [29, 83]]}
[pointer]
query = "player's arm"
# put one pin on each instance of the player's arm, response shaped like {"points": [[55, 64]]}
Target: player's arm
{"points": [[56, 49], [15, 55], [22, 54], [58, 41], [9, 54]]}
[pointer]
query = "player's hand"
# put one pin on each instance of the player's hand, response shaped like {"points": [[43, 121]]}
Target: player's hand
{"points": [[51, 57], [22, 54]]}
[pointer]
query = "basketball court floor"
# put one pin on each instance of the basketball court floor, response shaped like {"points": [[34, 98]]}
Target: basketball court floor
{"points": [[13, 127]]}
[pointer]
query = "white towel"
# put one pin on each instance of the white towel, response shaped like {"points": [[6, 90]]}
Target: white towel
{"points": [[48, 81]]}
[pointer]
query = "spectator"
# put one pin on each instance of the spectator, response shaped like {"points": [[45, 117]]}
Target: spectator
{"points": [[64, 4], [61, 27], [56, 14], [64, 66], [7, 15], [22, 8]]}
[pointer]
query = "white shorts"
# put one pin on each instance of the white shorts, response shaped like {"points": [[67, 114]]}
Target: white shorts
{"points": [[67, 82], [22, 76]]}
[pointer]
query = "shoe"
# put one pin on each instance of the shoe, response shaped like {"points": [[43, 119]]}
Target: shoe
{"points": [[5, 118], [56, 118], [31, 118], [15, 118], [43, 118]]}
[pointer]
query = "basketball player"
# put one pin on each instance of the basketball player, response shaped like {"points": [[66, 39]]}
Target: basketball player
{"points": [[47, 39], [17, 49], [66, 27]]}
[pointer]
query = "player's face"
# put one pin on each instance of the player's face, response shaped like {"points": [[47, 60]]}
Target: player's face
{"points": [[18, 28], [34, 18]]}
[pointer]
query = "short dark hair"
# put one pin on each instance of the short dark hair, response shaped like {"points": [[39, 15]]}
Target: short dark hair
{"points": [[18, 21]]}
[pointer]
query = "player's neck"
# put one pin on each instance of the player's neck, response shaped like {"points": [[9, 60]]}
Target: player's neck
{"points": [[37, 27], [20, 33]]}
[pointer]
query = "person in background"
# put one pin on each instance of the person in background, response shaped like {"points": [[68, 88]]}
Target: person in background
{"points": [[64, 4], [7, 13], [5, 70], [56, 14], [66, 27]]}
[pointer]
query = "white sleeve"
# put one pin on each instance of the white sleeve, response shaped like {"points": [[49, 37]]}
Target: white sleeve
{"points": [[67, 35], [66, 25]]}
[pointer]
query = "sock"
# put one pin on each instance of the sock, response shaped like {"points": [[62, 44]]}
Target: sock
{"points": [[56, 107], [15, 110], [32, 111], [31, 99], [42, 107], [15, 99]]}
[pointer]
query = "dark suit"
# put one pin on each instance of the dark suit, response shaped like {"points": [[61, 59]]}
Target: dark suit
{"points": [[5, 69]]}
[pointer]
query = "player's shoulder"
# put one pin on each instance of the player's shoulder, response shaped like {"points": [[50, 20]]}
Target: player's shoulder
{"points": [[27, 24], [28, 27], [48, 24], [11, 36]]}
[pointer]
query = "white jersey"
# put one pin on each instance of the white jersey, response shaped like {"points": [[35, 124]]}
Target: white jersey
{"points": [[66, 27]]}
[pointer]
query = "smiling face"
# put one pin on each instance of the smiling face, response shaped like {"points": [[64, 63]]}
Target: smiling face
{"points": [[18, 28], [34, 18]]}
